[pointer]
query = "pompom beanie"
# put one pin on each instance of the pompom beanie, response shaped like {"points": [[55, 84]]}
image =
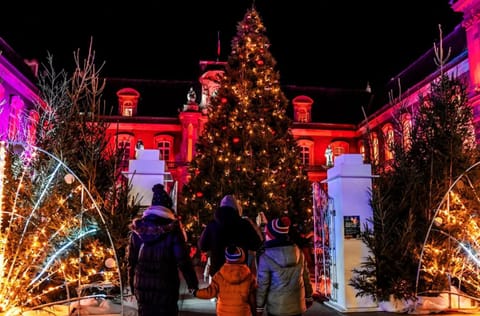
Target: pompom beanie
{"points": [[278, 227], [234, 254]]}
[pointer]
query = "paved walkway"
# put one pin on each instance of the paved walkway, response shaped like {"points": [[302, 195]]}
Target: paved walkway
{"points": [[197, 307], [192, 306]]}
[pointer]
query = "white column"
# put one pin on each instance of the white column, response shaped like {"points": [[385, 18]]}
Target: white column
{"points": [[349, 184], [143, 173]]}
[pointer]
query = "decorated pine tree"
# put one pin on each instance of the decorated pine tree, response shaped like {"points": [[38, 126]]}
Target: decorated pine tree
{"points": [[247, 147], [63, 223]]}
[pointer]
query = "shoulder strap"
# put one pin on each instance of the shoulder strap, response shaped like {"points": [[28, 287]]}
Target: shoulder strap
{"points": [[140, 251]]}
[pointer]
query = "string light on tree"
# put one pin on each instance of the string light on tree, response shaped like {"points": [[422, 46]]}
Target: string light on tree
{"points": [[249, 134]]}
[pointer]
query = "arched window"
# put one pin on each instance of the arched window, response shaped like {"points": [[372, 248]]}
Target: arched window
{"points": [[339, 148], [164, 144], [306, 151], [15, 128], [361, 149], [406, 131], [375, 148], [124, 145], [302, 108], [389, 137], [34, 117]]}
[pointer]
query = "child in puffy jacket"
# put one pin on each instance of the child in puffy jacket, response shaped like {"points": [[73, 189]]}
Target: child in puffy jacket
{"points": [[283, 278], [234, 286]]}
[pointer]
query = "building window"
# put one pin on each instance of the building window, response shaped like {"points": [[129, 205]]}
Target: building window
{"points": [[388, 135], [33, 120], [302, 108], [127, 111], [124, 143], [165, 146], [406, 131], [361, 149], [128, 101], [339, 148], [305, 155], [335, 149], [375, 148], [306, 151], [303, 116], [15, 128]]}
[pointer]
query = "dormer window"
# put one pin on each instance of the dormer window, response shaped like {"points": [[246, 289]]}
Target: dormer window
{"points": [[302, 109], [128, 101]]}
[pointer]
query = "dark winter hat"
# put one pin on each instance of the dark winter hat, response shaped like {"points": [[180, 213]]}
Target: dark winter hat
{"points": [[161, 197], [278, 227], [234, 254]]}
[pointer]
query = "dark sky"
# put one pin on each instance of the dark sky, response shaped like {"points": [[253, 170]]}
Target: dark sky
{"points": [[338, 44]]}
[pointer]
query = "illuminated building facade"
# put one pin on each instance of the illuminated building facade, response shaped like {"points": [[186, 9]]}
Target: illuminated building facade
{"points": [[18, 94], [169, 115]]}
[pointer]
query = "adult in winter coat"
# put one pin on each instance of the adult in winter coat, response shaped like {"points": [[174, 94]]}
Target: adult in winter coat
{"points": [[157, 250], [233, 285], [283, 278], [228, 228]]}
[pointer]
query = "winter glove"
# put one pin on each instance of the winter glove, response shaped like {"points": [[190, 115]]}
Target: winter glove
{"points": [[309, 302]]}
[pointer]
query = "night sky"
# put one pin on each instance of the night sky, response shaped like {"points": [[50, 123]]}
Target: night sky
{"points": [[338, 44]]}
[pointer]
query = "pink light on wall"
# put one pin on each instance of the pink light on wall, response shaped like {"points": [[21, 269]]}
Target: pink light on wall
{"points": [[16, 128], [18, 95], [3, 111]]}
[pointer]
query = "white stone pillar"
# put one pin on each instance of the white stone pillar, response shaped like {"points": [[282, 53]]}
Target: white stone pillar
{"points": [[349, 185], [144, 172]]}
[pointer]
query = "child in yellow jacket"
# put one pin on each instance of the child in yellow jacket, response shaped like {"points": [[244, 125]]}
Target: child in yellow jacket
{"points": [[234, 286]]}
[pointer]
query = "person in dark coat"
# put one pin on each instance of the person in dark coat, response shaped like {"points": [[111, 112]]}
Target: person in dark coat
{"points": [[157, 250], [227, 228]]}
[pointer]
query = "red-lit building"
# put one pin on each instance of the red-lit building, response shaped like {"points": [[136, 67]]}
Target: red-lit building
{"points": [[169, 115]]}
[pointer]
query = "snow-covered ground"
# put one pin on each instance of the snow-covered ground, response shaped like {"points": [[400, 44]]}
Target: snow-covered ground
{"points": [[454, 301]]}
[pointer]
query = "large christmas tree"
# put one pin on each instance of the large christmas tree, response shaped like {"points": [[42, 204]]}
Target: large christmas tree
{"points": [[247, 147]]}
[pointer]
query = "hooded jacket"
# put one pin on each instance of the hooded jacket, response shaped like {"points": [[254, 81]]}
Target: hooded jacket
{"points": [[234, 287], [156, 251], [283, 279], [225, 229]]}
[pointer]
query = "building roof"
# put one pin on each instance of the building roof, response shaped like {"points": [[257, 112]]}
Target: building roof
{"points": [[166, 98], [26, 68], [454, 45], [158, 98]]}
